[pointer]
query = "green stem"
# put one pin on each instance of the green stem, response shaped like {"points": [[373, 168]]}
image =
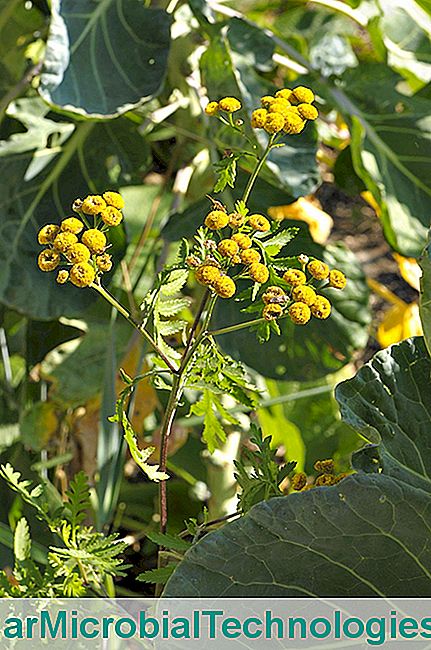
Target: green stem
{"points": [[235, 328], [123, 311], [255, 173]]}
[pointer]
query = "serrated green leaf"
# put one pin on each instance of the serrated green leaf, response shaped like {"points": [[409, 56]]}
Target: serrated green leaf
{"points": [[174, 282], [157, 576], [140, 456], [226, 172], [168, 541], [213, 433], [22, 541], [172, 306]]}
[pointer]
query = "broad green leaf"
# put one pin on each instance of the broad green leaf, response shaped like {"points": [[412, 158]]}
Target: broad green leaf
{"points": [[390, 148], [102, 59], [388, 401], [366, 536], [40, 183], [305, 353], [38, 425], [425, 297]]}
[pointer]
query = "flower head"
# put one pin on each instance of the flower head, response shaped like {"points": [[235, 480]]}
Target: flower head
{"points": [[114, 199], [267, 100], [48, 260], [258, 118], [272, 312], [242, 240], [274, 123], [294, 277], [302, 95], [293, 123], [78, 253], [302, 293], [47, 234], [228, 247], [212, 108], [337, 279], [111, 216], [229, 104], [104, 262], [258, 272], [82, 274], [285, 93], [318, 269], [224, 286], [72, 224], [63, 240], [216, 219], [299, 481], [299, 313], [321, 308], [236, 219], [259, 222], [95, 240], [279, 105], [207, 274], [93, 204], [250, 256], [308, 112], [274, 294], [62, 276]]}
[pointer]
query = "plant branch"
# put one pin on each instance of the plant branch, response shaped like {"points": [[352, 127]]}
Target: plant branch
{"points": [[255, 173], [235, 328], [123, 311]]}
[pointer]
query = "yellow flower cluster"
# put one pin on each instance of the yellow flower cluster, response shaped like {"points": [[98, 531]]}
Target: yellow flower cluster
{"points": [[287, 111], [236, 248], [86, 259], [227, 105], [302, 302]]}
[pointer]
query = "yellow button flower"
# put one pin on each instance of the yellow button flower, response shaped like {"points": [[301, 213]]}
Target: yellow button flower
{"points": [[274, 123], [95, 240], [272, 312], [258, 272], [279, 105], [259, 222], [228, 248], [229, 104], [294, 277], [236, 219], [93, 204], [63, 240], [47, 234], [104, 262], [216, 219], [111, 216], [72, 224], [337, 279], [48, 260], [78, 253], [208, 274], [242, 240], [293, 123], [284, 93], [224, 287], [82, 274], [302, 293], [267, 100], [258, 118], [308, 112], [250, 256], [302, 95], [299, 313], [273, 294], [212, 108], [319, 270], [298, 482], [62, 276], [115, 199], [321, 308]]}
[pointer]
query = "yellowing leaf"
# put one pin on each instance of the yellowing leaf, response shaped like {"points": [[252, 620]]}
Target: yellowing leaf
{"points": [[305, 209], [400, 322], [410, 270], [369, 198]]}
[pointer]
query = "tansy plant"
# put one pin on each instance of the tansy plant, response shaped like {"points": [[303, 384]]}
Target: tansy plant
{"points": [[232, 245]]}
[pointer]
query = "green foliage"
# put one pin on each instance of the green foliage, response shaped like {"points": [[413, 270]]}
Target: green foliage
{"points": [[226, 172], [425, 298], [258, 473], [80, 566], [388, 401]]}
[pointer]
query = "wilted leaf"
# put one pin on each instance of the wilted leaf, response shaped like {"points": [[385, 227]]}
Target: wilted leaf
{"points": [[400, 322], [410, 270], [38, 424], [319, 222]]}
